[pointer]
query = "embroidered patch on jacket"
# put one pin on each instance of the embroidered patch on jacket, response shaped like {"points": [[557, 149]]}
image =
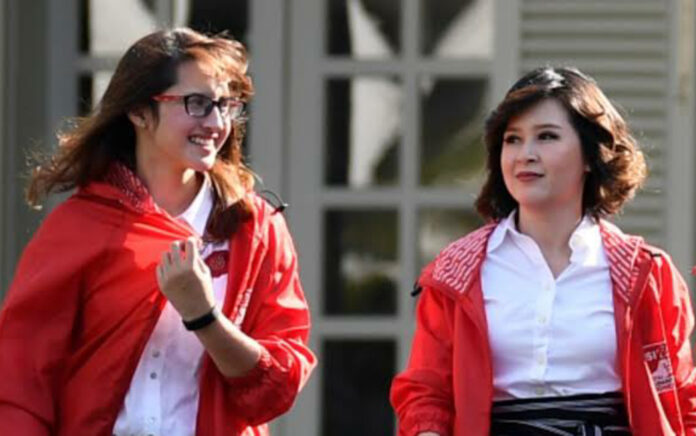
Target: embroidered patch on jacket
{"points": [[217, 262], [657, 358]]}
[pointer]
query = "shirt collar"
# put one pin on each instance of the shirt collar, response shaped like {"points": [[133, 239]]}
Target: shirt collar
{"points": [[585, 242], [196, 215], [498, 236]]}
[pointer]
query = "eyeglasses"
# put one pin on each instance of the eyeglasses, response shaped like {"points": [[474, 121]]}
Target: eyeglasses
{"points": [[200, 106]]}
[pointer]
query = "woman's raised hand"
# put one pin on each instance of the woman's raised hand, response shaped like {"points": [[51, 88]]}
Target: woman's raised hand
{"points": [[185, 279]]}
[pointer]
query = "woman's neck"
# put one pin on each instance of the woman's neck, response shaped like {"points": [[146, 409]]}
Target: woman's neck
{"points": [[172, 190], [551, 230]]}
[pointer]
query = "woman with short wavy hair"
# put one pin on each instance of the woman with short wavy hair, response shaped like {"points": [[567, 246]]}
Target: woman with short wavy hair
{"points": [[549, 320], [617, 166]]}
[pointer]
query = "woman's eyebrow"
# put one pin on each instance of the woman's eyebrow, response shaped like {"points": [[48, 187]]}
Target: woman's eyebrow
{"points": [[547, 126], [536, 126]]}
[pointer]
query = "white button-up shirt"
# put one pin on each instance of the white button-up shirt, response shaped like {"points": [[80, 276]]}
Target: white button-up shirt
{"points": [[163, 396], [549, 336]]}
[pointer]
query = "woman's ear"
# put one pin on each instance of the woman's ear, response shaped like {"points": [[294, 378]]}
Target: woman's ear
{"points": [[139, 118]]}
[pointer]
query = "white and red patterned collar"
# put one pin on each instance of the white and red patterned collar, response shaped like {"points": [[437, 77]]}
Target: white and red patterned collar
{"points": [[138, 196], [129, 184], [458, 264]]}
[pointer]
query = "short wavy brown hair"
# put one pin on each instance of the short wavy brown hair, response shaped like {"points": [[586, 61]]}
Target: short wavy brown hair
{"points": [[617, 166]]}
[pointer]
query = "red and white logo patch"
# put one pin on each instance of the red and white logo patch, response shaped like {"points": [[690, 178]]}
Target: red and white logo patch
{"points": [[657, 358], [217, 262]]}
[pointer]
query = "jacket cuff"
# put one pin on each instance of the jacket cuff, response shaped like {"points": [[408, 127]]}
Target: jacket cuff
{"points": [[266, 390], [256, 375], [436, 421]]}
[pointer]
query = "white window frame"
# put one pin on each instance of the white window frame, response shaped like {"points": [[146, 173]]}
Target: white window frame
{"points": [[310, 68]]}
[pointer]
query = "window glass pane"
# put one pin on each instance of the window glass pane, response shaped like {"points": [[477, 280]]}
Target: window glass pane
{"points": [[356, 380], [361, 270], [91, 87], [84, 99], [363, 131], [214, 16], [99, 84], [453, 112], [363, 28], [438, 227], [457, 28], [110, 27]]}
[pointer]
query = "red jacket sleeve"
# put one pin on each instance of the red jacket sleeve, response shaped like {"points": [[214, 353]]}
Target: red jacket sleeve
{"points": [[36, 323], [678, 317], [278, 318], [422, 394]]}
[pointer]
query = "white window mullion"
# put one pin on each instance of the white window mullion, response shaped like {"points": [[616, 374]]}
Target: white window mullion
{"points": [[304, 166]]}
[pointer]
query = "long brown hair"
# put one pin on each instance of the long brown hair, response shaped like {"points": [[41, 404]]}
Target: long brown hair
{"points": [[148, 68], [617, 166]]}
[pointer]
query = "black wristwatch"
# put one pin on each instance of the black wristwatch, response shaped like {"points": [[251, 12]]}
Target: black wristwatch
{"points": [[203, 321]]}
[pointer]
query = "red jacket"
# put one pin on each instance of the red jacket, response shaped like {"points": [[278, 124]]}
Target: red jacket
{"points": [[448, 384], [84, 302]]}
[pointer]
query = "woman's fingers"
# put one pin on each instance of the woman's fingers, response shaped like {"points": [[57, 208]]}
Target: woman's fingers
{"points": [[177, 252], [166, 260], [191, 247], [202, 265], [160, 275], [183, 276], [182, 256]]}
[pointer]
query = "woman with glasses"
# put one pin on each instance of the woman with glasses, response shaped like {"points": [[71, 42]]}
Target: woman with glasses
{"points": [[163, 296], [549, 320]]}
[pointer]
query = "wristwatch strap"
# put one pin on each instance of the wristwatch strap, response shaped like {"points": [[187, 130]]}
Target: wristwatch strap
{"points": [[203, 321]]}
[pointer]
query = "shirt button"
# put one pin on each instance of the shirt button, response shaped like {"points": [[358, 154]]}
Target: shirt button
{"points": [[542, 319], [153, 375], [541, 359]]}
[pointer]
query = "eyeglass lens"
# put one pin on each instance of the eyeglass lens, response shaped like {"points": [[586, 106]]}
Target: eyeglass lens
{"points": [[198, 105]]}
